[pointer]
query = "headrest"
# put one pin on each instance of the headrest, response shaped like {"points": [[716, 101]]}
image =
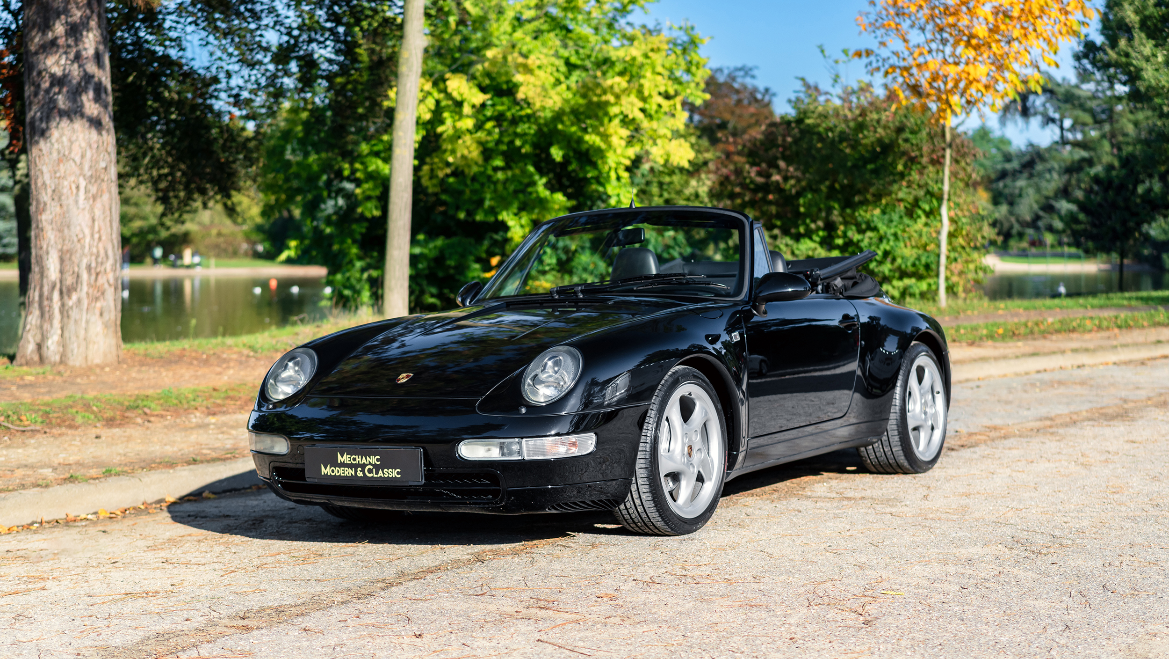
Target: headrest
{"points": [[778, 262], [634, 262]]}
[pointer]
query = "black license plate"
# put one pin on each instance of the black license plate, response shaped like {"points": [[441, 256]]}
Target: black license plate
{"points": [[363, 466]]}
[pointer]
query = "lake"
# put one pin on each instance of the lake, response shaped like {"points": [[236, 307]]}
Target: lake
{"points": [[1038, 283], [183, 307], [204, 306]]}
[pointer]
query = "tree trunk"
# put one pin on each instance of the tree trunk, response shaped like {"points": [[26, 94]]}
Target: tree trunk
{"points": [[1120, 267], [74, 303], [396, 283], [946, 222]]}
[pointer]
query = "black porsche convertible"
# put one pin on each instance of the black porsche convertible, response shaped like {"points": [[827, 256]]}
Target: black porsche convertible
{"points": [[631, 360]]}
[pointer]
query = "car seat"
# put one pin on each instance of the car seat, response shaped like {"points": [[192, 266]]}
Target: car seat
{"points": [[634, 262], [778, 262]]}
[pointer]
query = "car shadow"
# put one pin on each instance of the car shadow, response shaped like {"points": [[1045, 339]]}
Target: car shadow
{"points": [[261, 515]]}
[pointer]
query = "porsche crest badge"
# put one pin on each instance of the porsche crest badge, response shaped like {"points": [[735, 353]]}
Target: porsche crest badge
{"points": [[404, 377]]}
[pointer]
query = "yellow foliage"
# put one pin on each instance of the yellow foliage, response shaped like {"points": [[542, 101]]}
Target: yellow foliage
{"points": [[952, 56]]}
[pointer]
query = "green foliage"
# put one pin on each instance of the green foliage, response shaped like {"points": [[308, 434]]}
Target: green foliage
{"points": [[855, 171], [1103, 184], [525, 114]]}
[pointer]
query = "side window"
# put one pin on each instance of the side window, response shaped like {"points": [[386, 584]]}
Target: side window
{"points": [[762, 260]]}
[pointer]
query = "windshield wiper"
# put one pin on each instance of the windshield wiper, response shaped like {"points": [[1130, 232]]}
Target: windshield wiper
{"points": [[694, 281], [646, 281]]}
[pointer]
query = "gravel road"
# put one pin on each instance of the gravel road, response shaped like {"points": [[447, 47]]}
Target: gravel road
{"points": [[1042, 532]]}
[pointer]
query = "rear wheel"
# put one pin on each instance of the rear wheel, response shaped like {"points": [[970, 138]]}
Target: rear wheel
{"points": [[681, 461], [918, 419]]}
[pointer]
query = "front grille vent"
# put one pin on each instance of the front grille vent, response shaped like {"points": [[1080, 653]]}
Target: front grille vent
{"points": [[578, 506], [438, 487]]}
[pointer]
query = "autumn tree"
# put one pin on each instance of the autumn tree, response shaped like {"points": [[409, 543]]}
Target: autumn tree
{"points": [[951, 57]]}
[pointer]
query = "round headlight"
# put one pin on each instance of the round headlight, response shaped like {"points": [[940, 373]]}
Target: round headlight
{"points": [[290, 373], [551, 375]]}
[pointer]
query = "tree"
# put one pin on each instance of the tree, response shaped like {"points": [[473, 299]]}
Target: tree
{"points": [[950, 57], [396, 290], [74, 301], [524, 114], [853, 171], [176, 125]]}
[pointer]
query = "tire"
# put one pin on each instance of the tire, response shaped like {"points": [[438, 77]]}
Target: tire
{"points": [[682, 462], [917, 427], [372, 515]]}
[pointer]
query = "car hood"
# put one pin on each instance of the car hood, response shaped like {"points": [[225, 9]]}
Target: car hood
{"points": [[464, 353]]}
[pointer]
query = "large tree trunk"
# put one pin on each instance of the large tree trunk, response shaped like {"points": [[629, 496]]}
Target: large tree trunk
{"points": [[396, 283], [946, 222], [74, 304]]}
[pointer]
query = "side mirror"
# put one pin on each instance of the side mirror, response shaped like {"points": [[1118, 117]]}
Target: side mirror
{"points": [[779, 287], [468, 293]]}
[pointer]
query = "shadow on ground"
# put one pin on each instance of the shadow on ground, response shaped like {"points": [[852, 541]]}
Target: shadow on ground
{"points": [[261, 515]]}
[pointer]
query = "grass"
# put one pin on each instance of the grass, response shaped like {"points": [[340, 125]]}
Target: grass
{"points": [[74, 411], [1022, 329], [971, 306], [274, 340]]}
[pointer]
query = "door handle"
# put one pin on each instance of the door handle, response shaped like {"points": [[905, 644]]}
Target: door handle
{"points": [[849, 322]]}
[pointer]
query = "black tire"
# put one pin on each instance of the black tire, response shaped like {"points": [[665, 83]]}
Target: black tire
{"points": [[895, 452], [372, 515], [646, 508]]}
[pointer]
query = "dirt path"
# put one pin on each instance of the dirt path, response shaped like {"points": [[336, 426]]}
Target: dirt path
{"points": [[138, 374], [1042, 535], [44, 459]]}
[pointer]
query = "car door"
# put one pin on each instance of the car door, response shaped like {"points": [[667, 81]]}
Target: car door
{"points": [[802, 361]]}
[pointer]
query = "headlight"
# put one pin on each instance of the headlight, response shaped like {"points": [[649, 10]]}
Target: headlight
{"points": [[290, 373], [551, 375]]}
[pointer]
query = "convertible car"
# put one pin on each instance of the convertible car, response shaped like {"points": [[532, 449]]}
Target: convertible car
{"points": [[631, 360]]}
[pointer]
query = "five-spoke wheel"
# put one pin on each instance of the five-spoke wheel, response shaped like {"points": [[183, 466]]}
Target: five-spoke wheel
{"points": [[918, 418], [682, 458]]}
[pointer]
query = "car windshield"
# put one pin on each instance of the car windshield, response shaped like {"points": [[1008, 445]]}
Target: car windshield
{"points": [[652, 252]]}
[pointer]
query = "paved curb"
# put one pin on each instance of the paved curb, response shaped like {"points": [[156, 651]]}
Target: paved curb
{"points": [[1001, 368], [26, 506]]}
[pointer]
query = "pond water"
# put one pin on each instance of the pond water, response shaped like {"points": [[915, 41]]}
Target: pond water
{"points": [[183, 307], [1041, 284]]}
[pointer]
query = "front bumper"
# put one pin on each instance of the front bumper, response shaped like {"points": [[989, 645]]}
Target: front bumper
{"points": [[599, 480]]}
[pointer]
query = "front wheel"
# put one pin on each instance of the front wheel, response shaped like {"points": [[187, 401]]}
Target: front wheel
{"points": [[682, 458], [918, 419]]}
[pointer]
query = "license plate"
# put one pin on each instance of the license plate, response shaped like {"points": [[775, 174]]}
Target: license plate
{"points": [[363, 466]]}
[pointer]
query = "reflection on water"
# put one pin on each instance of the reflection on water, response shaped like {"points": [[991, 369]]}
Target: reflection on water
{"points": [[182, 307], [1042, 284]]}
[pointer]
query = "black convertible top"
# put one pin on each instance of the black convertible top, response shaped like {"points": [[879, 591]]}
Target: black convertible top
{"points": [[838, 275]]}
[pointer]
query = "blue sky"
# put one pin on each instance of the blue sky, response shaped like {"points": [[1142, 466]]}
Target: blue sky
{"points": [[780, 38]]}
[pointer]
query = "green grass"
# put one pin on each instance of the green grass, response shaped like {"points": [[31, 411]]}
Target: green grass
{"points": [[973, 305], [1022, 329], [72, 411], [277, 339], [8, 265]]}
